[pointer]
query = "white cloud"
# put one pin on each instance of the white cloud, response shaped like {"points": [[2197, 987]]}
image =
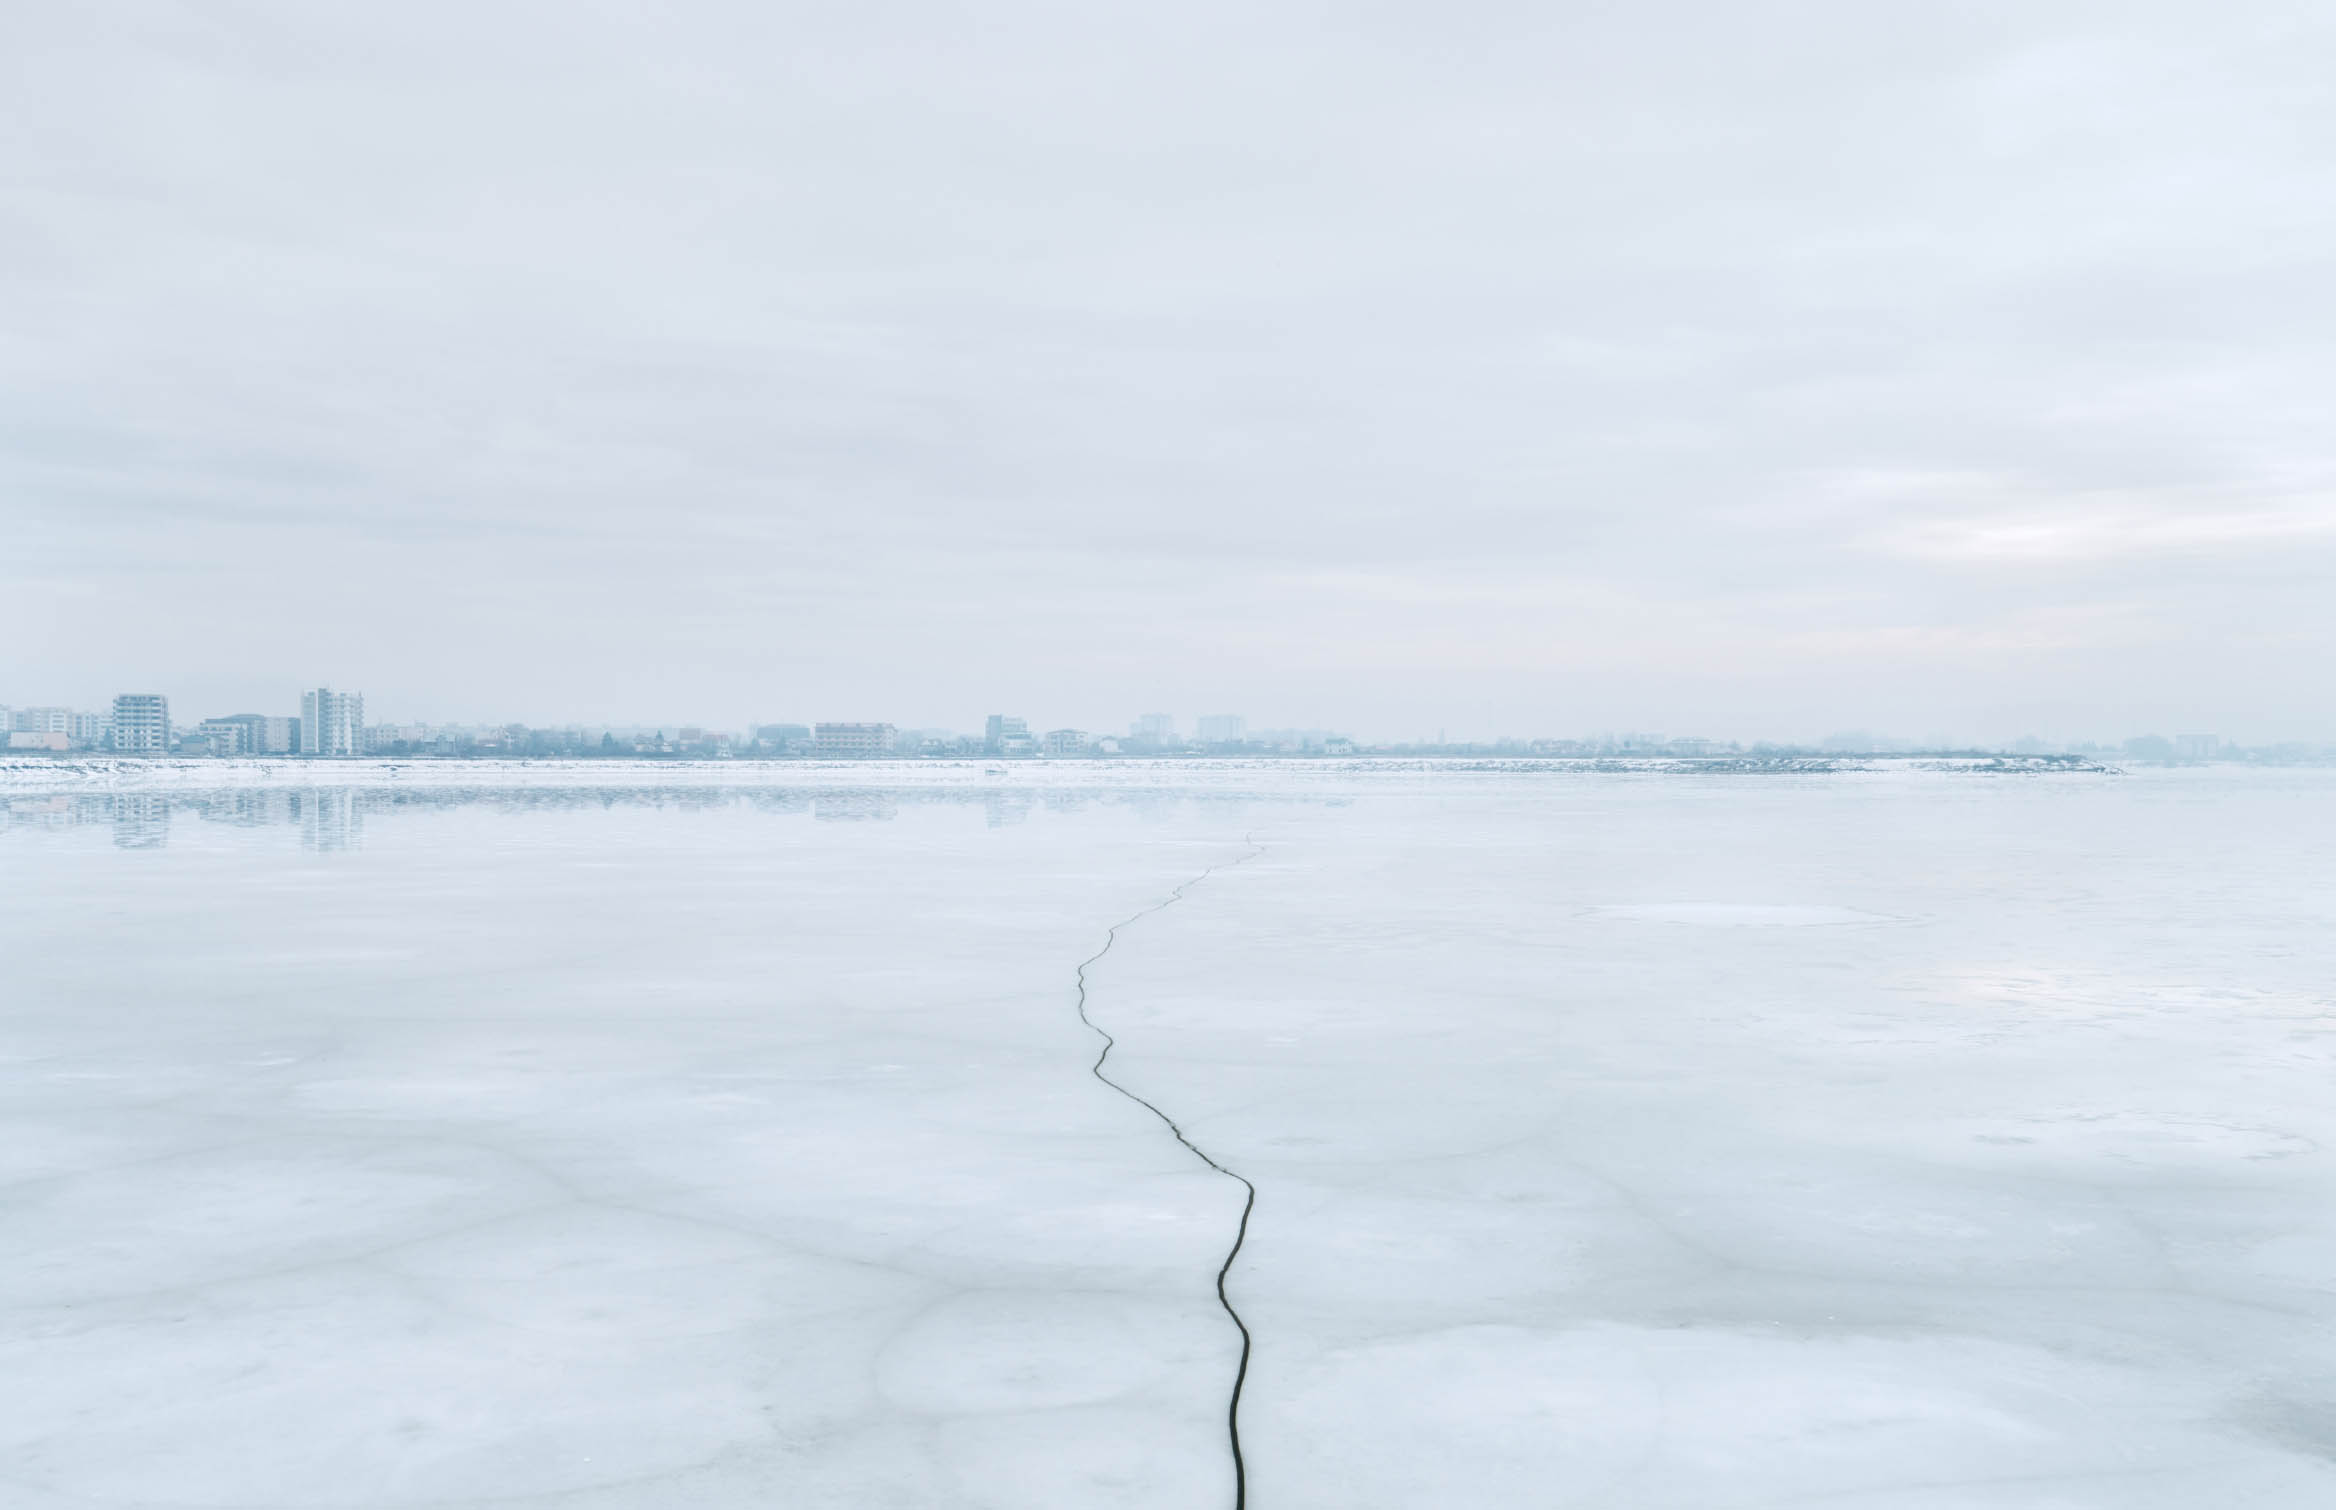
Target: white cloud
{"points": [[721, 357]]}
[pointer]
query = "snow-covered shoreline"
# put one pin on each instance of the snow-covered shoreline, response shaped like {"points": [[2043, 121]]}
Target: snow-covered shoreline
{"points": [[106, 773]]}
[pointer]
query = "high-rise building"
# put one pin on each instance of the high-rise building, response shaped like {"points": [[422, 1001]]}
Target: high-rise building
{"points": [[89, 729], [851, 741], [1220, 728], [1154, 728], [332, 723], [141, 724]]}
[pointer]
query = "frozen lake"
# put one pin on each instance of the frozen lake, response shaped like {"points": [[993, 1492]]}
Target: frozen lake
{"points": [[1900, 1139]]}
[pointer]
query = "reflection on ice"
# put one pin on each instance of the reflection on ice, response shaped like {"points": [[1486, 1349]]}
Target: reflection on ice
{"points": [[334, 817], [140, 821]]}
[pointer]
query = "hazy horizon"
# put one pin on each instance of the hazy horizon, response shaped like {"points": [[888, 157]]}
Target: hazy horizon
{"points": [[1185, 728]]}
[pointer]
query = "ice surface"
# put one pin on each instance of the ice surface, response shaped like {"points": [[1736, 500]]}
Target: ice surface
{"points": [[1897, 1139]]}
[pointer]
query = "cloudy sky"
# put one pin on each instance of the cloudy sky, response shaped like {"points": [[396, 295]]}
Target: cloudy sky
{"points": [[1728, 368]]}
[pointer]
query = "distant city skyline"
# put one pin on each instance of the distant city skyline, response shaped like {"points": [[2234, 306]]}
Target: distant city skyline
{"points": [[333, 725], [284, 699], [1201, 728]]}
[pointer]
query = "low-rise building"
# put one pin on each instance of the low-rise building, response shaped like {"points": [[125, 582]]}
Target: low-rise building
{"points": [[41, 721], [851, 741], [263, 733], [227, 736]]}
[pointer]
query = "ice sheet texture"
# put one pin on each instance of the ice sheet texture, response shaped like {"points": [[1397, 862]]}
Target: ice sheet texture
{"points": [[1912, 1141]]}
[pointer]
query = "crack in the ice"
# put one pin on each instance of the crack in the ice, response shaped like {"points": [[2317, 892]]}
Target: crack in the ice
{"points": [[1249, 1199]]}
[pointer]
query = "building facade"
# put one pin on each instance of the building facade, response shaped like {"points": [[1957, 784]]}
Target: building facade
{"points": [[1221, 729], [332, 723], [141, 724], [41, 721], [851, 741], [226, 736], [264, 734]]}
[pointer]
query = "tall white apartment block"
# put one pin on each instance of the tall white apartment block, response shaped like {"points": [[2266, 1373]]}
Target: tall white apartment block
{"points": [[141, 724], [332, 723]]}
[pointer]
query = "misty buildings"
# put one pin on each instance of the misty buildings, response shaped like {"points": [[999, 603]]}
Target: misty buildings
{"points": [[1220, 728], [332, 723], [250, 734], [1062, 743], [40, 728], [851, 741], [141, 724], [782, 737], [263, 733], [225, 736], [53, 729], [42, 721], [1006, 735]]}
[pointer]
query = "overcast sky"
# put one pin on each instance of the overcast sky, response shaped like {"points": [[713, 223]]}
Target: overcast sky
{"points": [[1738, 369]]}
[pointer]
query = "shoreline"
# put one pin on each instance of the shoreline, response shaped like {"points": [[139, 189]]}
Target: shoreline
{"points": [[107, 773]]}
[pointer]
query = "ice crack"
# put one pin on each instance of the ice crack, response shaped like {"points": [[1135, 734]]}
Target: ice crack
{"points": [[1249, 1197]]}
